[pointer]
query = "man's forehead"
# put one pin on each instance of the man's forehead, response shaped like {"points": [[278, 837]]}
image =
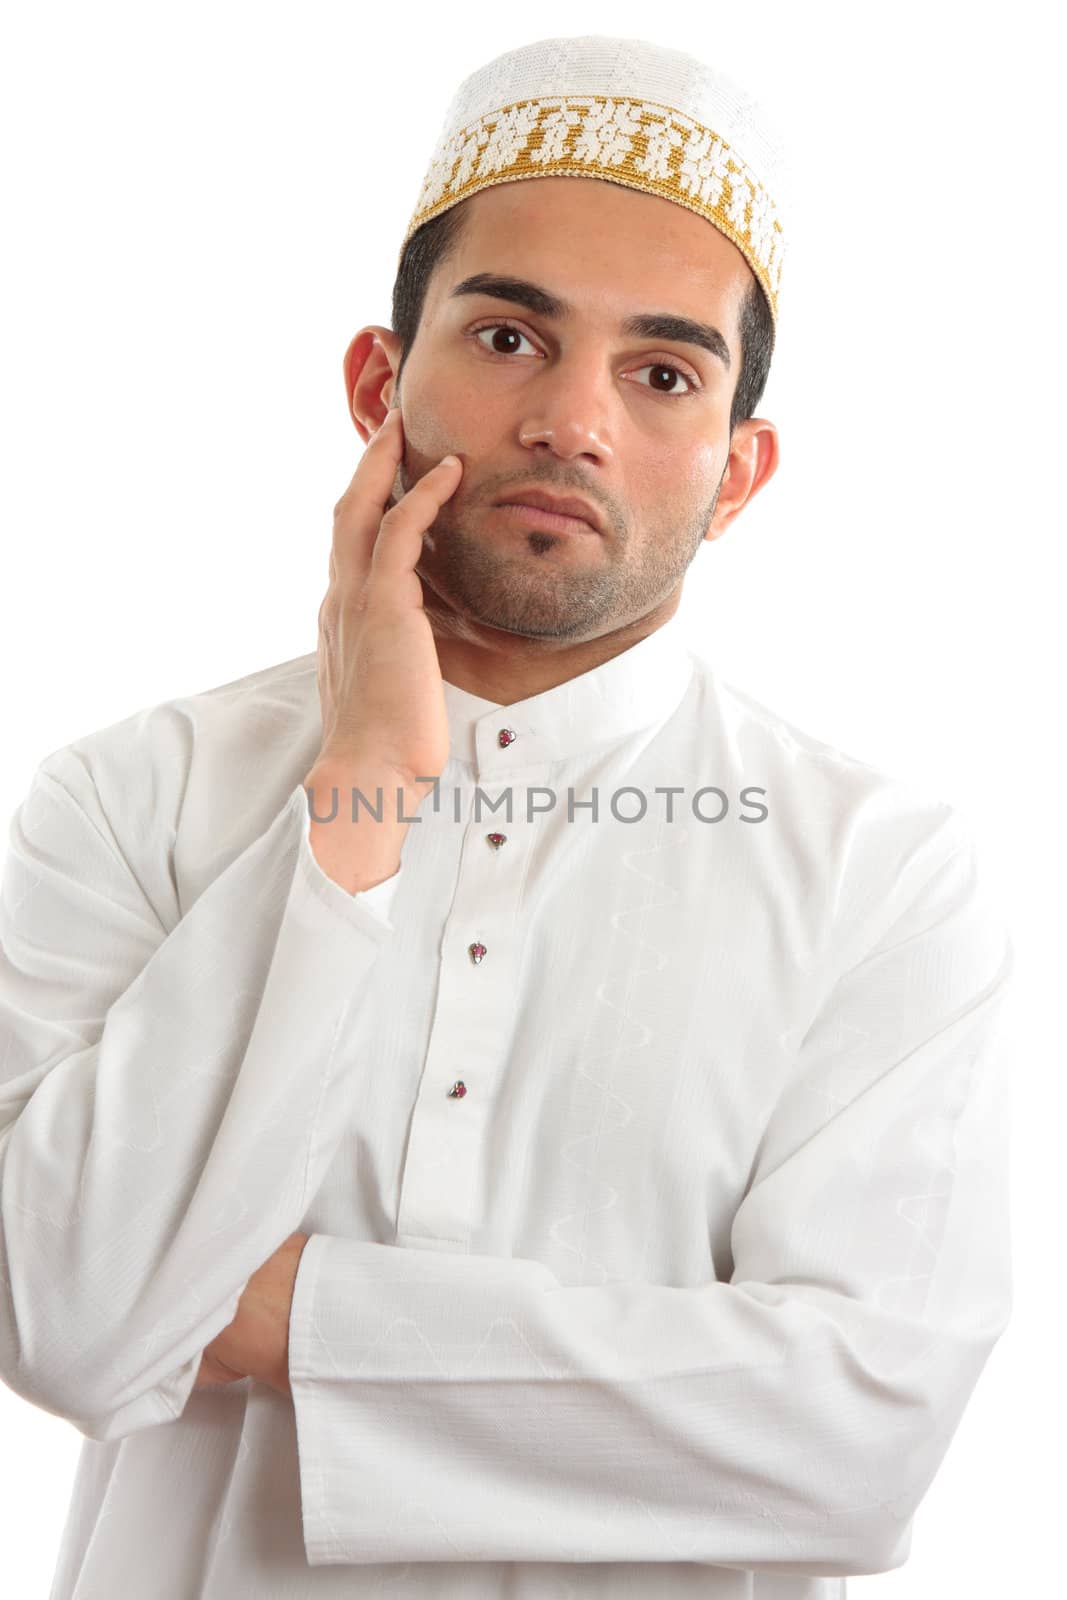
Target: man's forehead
{"points": [[558, 276], [595, 206]]}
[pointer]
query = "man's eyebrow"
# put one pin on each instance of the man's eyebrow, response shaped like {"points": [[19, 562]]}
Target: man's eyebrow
{"points": [[647, 325]]}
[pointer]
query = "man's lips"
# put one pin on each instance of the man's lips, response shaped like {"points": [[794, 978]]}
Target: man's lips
{"points": [[560, 505], [549, 521]]}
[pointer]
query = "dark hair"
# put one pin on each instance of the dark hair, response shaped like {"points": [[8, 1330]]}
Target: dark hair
{"points": [[429, 246]]}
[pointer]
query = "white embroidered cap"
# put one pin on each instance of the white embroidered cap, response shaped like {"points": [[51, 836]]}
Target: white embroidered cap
{"points": [[626, 110]]}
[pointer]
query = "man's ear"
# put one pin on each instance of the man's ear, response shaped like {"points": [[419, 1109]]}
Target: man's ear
{"points": [[370, 364], [752, 462]]}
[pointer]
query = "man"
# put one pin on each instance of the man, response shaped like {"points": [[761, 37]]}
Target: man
{"points": [[490, 1108]]}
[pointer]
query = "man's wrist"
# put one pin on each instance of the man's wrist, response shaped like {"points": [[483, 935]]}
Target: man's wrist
{"points": [[354, 794], [358, 820]]}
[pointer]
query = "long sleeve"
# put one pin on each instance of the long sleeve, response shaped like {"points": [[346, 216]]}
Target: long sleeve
{"points": [[456, 1407], [169, 1098]]}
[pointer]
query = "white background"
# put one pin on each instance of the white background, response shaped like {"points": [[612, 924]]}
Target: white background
{"points": [[201, 206]]}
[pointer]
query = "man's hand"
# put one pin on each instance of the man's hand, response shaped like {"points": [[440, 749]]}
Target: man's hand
{"points": [[382, 697], [256, 1342], [381, 693]]}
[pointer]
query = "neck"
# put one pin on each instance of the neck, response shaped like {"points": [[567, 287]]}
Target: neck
{"points": [[508, 667]]}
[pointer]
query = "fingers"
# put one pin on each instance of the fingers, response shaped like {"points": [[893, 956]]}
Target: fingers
{"points": [[369, 535], [357, 515], [399, 543], [387, 443]]}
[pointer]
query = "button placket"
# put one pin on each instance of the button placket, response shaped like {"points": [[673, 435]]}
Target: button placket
{"points": [[445, 1159], [478, 951]]}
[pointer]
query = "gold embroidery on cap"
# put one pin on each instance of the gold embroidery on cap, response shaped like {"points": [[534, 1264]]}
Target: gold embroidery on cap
{"points": [[636, 143]]}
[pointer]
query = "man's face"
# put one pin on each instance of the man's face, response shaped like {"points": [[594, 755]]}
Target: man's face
{"points": [[572, 404]]}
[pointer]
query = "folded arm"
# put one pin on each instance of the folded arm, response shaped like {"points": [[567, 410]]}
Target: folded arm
{"points": [[473, 1408], [166, 1110]]}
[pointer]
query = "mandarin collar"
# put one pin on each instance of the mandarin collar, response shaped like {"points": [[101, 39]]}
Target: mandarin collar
{"points": [[634, 689]]}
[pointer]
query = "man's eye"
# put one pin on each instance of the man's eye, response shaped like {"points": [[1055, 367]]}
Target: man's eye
{"points": [[667, 366], [496, 327], [654, 366]]}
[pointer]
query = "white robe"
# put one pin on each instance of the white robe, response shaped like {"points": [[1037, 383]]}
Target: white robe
{"points": [[685, 1295]]}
